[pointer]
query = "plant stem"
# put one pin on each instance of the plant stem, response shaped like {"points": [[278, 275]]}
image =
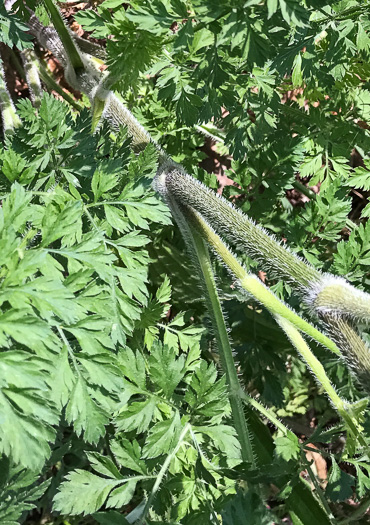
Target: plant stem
{"points": [[303, 189], [283, 316], [65, 36], [163, 471], [237, 227], [319, 372], [267, 413], [354, 348], [255, 287], [318, 489], [52, 85], [199, 252], [224, 349]]}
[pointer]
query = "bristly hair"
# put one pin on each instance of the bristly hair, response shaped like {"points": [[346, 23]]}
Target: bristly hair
{"points": [[334, 296], [241, 231]]}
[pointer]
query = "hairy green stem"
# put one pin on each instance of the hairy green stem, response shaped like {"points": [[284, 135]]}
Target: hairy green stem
{"points": [[224, 349], [199, 252], [267, 413], [318, 370], [10, 119], [314, 364], [31, 67], [254, 286], [283, 315], [338, 298]]}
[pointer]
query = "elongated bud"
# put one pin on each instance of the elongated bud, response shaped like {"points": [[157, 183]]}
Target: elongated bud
{"points": [[335, 296], [355, 350]]}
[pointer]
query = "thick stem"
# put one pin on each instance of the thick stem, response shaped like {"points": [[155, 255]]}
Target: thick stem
{"points": [[283, 315], [237, 227], [336, 297]]}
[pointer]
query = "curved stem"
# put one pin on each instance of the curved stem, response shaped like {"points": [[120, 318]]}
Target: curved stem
{"points": [[318, 370], [255, 287], [199, 252]]}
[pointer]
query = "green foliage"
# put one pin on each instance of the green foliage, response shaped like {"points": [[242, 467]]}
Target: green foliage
{"points": [[13, 32], [113, 406]]}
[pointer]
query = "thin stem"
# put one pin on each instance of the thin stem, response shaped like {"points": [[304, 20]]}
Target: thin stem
{"points": [[303, 189], [357, 513], [70, 351], [318, 489], [319, 372], [65, 36], [163, 471], [267, 413]]}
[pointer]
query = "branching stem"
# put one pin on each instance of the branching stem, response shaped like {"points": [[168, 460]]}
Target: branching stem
{"points": [[255, 287], [163, 472]]}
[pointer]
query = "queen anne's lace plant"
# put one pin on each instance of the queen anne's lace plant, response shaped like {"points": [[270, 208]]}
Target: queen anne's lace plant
{"points": [[170, 411]]}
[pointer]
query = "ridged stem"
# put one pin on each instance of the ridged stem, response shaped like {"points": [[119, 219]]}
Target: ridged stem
{"points": [[199, 252]]}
